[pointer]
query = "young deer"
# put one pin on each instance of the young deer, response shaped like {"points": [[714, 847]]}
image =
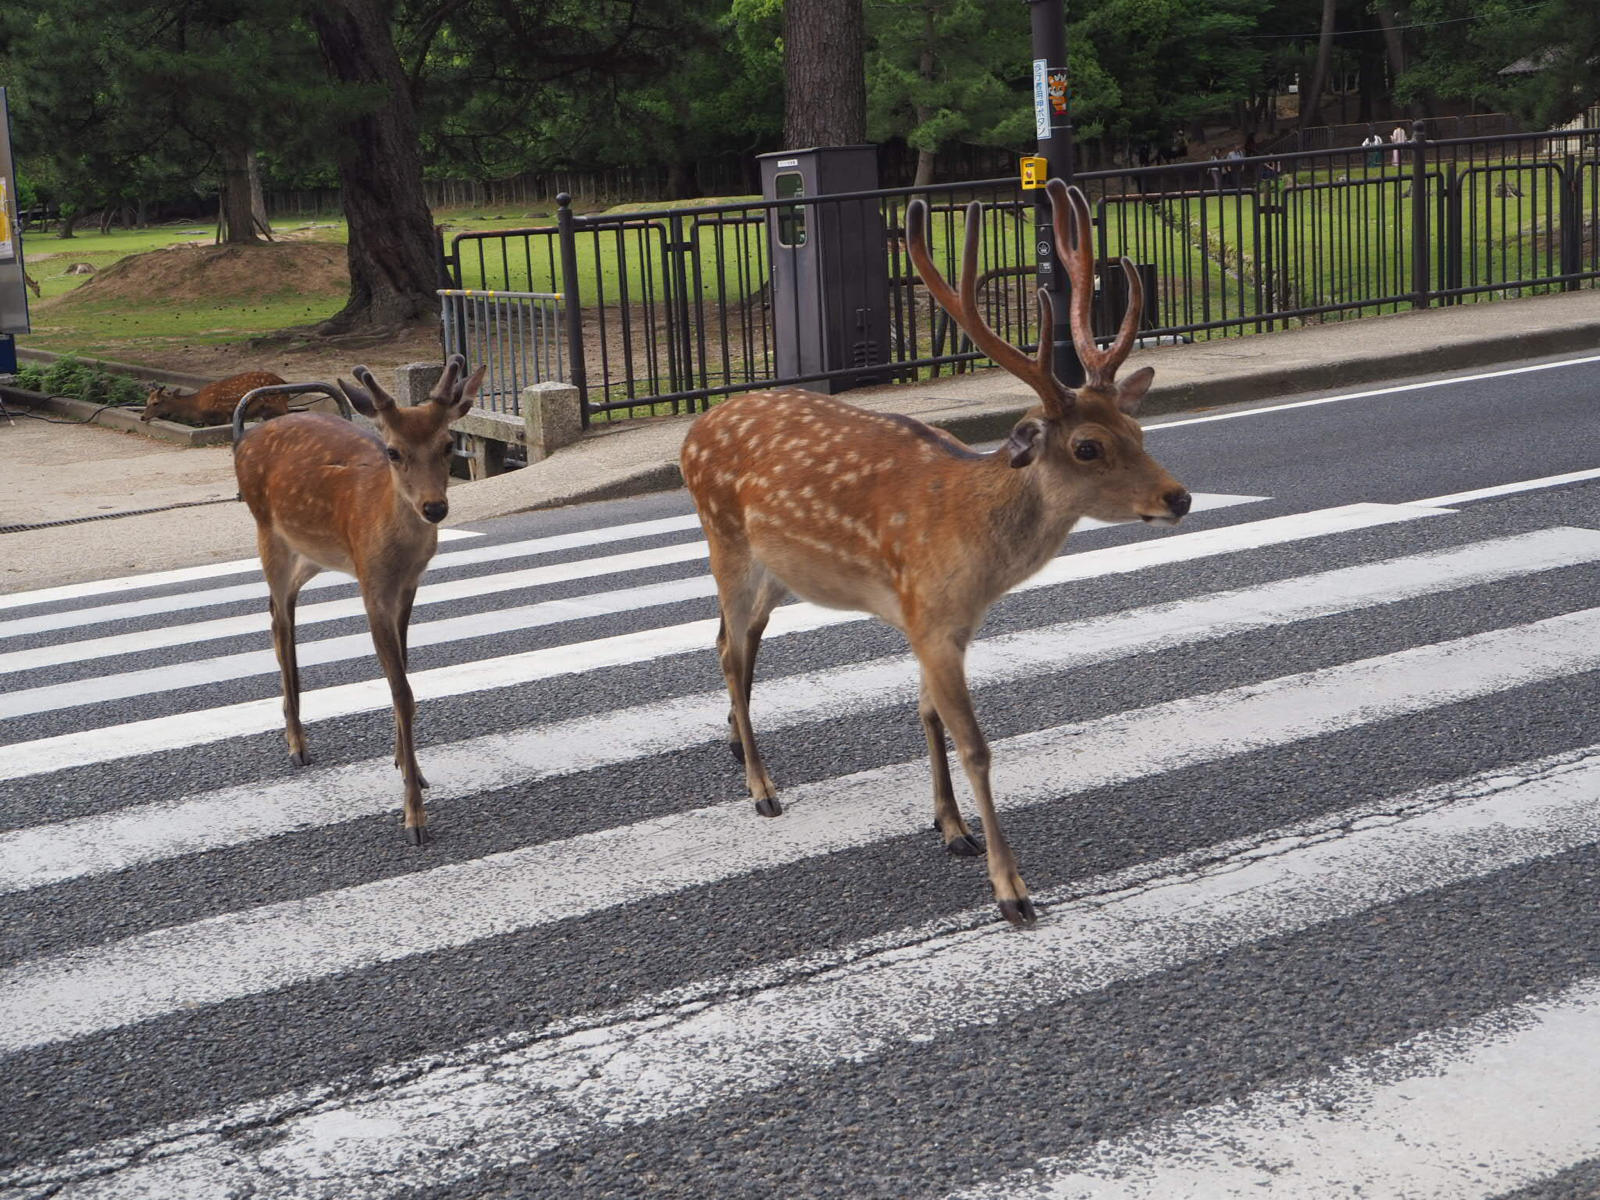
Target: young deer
{"points": [[882, 514], [214, 403], [328, 495]]}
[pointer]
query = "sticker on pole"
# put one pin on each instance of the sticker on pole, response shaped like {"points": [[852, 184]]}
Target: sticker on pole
{"points": [[1041, 99], [1057, 89]]}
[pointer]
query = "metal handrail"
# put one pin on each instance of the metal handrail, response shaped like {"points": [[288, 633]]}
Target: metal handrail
{"points": [[274, 389]]}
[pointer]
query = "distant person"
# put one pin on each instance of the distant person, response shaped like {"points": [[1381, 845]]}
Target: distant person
{"points": [[1398, 136], [1372, 142], [1234, 156]]}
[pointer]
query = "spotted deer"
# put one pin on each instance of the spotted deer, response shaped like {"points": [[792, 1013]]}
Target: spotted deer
{"points": [[214, 403], [882, 514], [327, 495]]}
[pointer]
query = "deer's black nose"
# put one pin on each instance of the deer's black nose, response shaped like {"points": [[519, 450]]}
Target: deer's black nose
{"points": [[435, 510], [1178, 502]]}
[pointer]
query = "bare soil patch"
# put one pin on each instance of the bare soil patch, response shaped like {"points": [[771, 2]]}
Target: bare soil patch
{"points": [[219, 273], [230, 275]]}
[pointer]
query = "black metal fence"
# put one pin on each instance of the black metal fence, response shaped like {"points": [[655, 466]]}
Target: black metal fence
{"points": [[671, 308]]}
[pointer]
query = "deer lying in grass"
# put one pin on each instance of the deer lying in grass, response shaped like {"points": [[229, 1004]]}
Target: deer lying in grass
{"points": [[214, 403], [803, 493], [328, 495]]}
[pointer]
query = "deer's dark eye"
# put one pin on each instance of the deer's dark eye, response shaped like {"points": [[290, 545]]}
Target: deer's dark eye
{"points": [[1086, 451], [394, 455]]}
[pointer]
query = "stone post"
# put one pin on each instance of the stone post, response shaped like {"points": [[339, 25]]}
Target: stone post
{"points": [[414, 381], [551, 416]]}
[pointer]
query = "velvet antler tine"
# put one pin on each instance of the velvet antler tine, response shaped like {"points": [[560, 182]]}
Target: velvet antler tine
{"points": [[1117, 353], [962, 302], [1045, 356]]}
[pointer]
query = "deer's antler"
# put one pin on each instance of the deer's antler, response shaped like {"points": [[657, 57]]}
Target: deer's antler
{"points": [[1037, 372], [1069, 211]]}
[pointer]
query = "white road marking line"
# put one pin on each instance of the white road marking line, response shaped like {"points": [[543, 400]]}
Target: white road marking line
{"points": [[1509, 489], [1421, 386], [109, 743], [428, 593], [274, 946], [154, 579], [23, 701], [1463, 1113], [457, 1114], [61, 851], [311, 652], [255, 624]]}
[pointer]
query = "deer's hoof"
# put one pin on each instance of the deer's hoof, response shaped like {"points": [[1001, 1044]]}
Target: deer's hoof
{"points": [[299, 758], [965, 846], [417, 835], [1019, 912], [737, 750], [768, 806]]}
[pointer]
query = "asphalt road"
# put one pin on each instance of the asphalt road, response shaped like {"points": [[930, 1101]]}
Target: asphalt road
{"points": [[1304, 791]]}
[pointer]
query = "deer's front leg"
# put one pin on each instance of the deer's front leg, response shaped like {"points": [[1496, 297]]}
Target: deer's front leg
{"points": [[947, 817], [403, 623], [944, 677], [386, 640], [286, 572]]}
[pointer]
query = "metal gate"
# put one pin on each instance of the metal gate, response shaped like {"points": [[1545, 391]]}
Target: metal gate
{"points": [[516, 335]]}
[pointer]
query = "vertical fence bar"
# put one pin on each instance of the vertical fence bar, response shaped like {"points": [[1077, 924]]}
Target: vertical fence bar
{"points": [[572, 301], [1420, 290], [1571, 189]]}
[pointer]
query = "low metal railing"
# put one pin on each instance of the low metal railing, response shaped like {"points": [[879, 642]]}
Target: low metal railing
{"points": [[670, 309], [518, 336]]}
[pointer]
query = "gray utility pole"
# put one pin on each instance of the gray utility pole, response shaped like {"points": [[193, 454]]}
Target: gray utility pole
{"points": [[1053, 128]]}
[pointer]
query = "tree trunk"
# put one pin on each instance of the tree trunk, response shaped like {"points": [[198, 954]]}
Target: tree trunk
{"points": [[927, 65], [238, 225], [1311, 97], [1394, 47], [824, 69], [258, 199], [393, 267]]}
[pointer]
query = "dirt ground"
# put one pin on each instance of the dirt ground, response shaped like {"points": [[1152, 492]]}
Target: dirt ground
{"points": [[57, 470]]}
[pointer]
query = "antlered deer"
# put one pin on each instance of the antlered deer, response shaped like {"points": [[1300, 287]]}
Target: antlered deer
{"points": [[882, 514], [328, 495], [214, 403]]}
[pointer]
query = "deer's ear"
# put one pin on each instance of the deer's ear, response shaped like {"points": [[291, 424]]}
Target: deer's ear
{"points": [[468, 392], [1132, 389], [1025, 442], [359, 399]]}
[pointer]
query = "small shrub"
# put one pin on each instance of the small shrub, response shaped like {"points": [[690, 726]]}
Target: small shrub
{"points": [[69, 376]]}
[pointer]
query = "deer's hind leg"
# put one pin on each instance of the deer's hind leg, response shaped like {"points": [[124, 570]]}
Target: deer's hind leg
{"points": [[286, 572], [746, 594], [947, 817]]}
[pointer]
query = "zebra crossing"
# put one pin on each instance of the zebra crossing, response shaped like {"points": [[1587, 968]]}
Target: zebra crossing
{"points": [[1306, 800]]}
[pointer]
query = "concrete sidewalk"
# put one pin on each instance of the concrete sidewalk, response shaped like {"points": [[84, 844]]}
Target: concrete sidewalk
{"points": [[633, 457]]}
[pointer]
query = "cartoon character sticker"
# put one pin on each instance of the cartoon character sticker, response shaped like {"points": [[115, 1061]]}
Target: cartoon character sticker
{"points": [[1056, 85]]}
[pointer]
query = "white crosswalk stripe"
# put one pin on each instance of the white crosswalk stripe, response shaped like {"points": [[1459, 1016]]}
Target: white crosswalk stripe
{"points": [[107, 802]]}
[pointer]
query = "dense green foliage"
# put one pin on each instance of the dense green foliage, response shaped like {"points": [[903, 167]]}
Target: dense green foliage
{"points": [[118, 105], [69, 376]]}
